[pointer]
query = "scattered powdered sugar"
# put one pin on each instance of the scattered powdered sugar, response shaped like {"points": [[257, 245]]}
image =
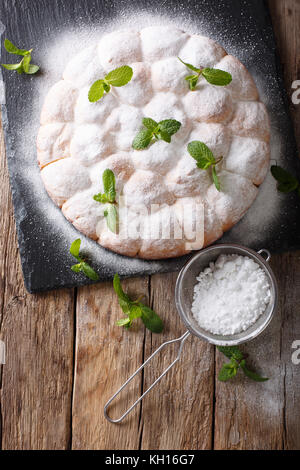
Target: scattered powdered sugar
{"points": [[54, 49], [231, 295]]}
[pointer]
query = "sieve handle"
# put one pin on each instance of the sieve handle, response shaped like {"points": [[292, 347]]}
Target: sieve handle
{"points": [[265, 252], [180, 340]]}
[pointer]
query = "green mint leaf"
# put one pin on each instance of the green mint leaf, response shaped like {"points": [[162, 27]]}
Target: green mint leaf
{"points": [[163, 135], [252, 375], [150, 124], [215, 178], [106, 86], [231, 352], [9, 46], [190, 66], [142, 139], [217, 77], [76, 268], [75, 248], [32, 69], [151, 320], [227, 372], [286, 182], [109, 184], [123, 322], [135, 311], [13, 66], [111, 215], [287, 187], [193, 80], [124, 300], [26, 62], [171, 126], [96, 91], [102, 198], [89, 271], [202, 154], [120, 76]]}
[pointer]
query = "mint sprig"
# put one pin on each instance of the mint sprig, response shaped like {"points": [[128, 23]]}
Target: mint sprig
{"points": [[109, 198], [205, 159], [82, 266], [213, 76], [24, 66], [286, 183], [116, 78], [163, 130], [237, 361], [136, 309]]}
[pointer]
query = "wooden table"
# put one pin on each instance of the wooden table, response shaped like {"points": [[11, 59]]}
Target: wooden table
{"points": [[65, 356]]}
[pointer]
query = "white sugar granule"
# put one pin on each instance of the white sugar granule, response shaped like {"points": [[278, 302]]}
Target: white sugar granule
{"points": [[231, 295]]}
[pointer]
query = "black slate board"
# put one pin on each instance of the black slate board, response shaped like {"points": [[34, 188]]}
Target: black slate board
{"points": [[243, 27]]}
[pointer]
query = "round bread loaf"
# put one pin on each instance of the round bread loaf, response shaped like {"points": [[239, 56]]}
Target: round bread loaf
{"points": [[78, 140]]}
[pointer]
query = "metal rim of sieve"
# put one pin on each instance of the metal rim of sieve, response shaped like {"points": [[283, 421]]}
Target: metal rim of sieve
{"points": [[258, 326], [213, 339]]}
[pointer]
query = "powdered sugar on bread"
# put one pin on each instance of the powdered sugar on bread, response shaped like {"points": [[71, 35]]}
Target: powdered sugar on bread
{"points": [[78, 140]]}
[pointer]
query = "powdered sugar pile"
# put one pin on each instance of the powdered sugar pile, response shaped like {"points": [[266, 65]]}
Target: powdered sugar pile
{"points": [[231, 295]]}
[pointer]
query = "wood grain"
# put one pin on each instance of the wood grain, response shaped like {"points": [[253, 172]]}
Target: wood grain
{"points": [[105, 357], [190, 409], [38, 332]]}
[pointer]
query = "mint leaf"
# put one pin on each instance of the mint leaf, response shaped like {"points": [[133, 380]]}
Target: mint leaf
{"points": [[162, 130], [12, 66], [123, 322], [82, 266], [109, 184], [151, 320], [193, 80], [150, 124], [76, 268], [190, 66], [102, 198], [118, 289], [26, 62], [111, 215], [9, 46], [252, 375], [237, 360], [32, 69], [202, 154], [286, 182], [89, 271], [163, 135], [142, 139], [135, 309], [171, 126], [215, 178], [96, 91], [120, 76], [75, 248], [227, 372], [24, 66], [217, 77], [231, 351]]}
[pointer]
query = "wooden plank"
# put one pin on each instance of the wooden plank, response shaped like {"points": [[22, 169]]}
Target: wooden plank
{"points": [[105, 357], [38, 332], [250, 415], [286, 23], [178, 413]]}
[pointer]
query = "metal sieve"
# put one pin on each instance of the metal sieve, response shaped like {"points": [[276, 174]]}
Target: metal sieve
{"points": [[184, 291]]}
